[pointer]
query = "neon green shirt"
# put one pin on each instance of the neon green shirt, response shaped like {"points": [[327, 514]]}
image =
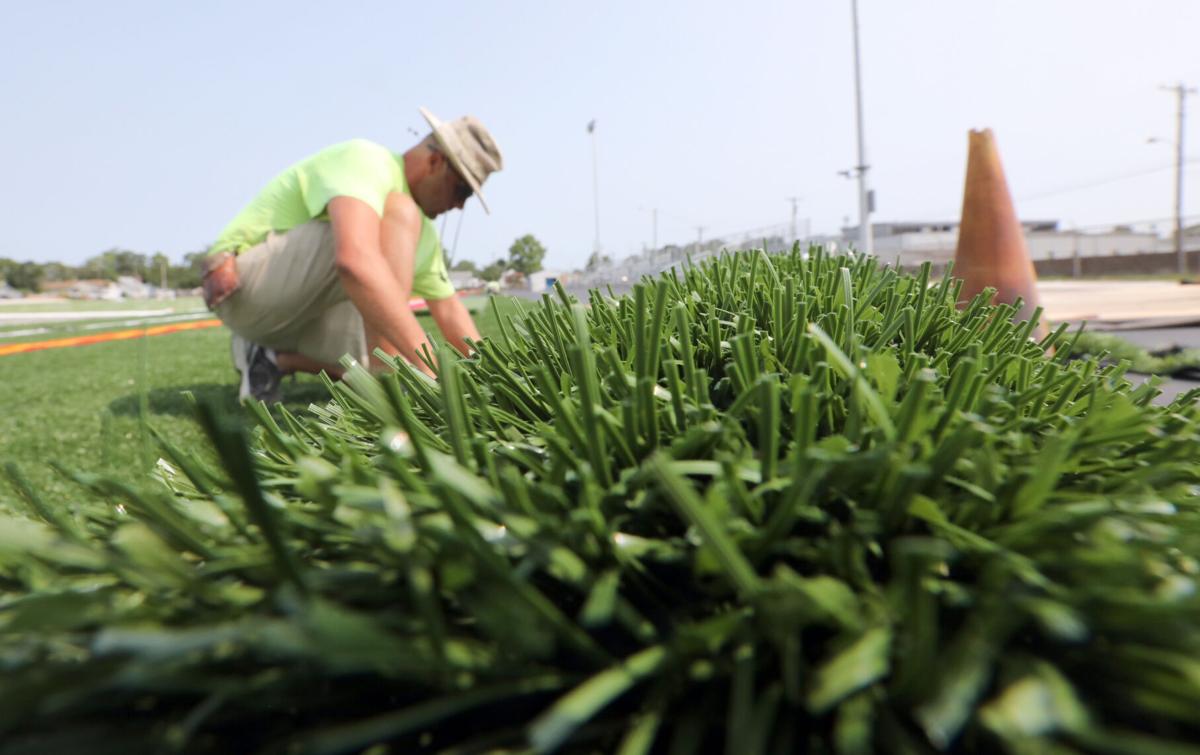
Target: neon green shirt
{"points": [[358, 168]]}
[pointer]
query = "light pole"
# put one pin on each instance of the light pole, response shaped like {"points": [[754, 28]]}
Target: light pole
{"points": [[591, 127], [653, 226], [1181, 93], [795, 201], [1076, 260], [865, 237]]}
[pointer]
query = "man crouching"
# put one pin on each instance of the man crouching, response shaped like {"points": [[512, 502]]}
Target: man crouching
{"points": [[323, 262]]}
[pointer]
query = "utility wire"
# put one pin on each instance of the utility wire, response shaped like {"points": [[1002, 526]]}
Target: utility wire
{"points": [[1099, 182], [781, 226], [1073, 188]]}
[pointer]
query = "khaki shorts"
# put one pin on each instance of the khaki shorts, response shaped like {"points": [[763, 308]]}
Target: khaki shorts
{"points": [[292, 300]]}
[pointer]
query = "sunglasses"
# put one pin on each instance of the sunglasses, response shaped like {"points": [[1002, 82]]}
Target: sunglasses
{"points": [[462, 189]]}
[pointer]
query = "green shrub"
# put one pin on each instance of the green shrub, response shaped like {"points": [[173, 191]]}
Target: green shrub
{"points": [[768, 504]]}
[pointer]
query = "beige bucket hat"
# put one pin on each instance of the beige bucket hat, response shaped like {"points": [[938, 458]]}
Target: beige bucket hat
{"points": [[470, 147]]}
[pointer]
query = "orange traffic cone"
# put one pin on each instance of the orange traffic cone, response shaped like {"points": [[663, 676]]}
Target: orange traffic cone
{"points": [[991, 246]]}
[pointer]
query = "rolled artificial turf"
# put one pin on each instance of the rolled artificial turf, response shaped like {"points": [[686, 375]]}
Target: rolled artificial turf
{"points": [[765, 504]]}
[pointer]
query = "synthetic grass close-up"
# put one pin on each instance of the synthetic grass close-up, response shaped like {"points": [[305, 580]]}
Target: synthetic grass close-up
{"points": [[767, 504], [82, 408]]}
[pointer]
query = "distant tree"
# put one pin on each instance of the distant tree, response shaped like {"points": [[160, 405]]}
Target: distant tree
{"points": [[57, 271], [597, 261], [493, 271], [93, 267], [107, 265], [526, 254], [132, 263], [26, 276], [102, 265], [112, 263], [191, 273], [466, 266]]}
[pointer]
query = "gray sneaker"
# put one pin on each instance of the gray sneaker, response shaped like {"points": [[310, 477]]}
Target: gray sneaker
{"points": [[261, 377]]}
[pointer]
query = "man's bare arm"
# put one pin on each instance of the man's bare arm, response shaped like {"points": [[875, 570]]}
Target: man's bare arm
{"points": [[454, 321], [371, 256]]}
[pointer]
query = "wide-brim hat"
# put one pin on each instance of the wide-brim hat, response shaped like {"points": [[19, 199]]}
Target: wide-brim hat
{"points": [[469, 147]]}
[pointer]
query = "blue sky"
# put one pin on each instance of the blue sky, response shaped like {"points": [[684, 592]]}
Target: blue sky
{"points": [[147, 125]]}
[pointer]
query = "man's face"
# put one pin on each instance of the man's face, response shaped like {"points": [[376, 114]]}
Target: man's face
{"points": [[444, 189]]}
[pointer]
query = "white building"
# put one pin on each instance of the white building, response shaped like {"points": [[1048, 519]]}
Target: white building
{"points": [[96, 288], [544, 280], [913, 243], [133, 287], [464, 279]]}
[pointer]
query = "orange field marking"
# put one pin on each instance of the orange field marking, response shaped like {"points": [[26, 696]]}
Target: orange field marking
{"points": [[119, 335]]}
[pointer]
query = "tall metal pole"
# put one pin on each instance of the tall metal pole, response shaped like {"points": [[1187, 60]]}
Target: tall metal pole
{"points": [[866, 239], [653, 227], [794, 201], [1181, 93], [595, 185], [1076, 261]]}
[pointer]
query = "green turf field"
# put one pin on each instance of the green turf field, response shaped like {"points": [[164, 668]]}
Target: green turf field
{"points": [[83, 407]]}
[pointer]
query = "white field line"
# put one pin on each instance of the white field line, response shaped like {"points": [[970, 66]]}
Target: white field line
{"points": [[156, 320], [23, 333], [29, 318], [22, 301], [132, 323]]}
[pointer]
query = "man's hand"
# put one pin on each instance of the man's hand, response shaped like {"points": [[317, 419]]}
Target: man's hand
{"points": [[455, 322], [374, 260]]}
